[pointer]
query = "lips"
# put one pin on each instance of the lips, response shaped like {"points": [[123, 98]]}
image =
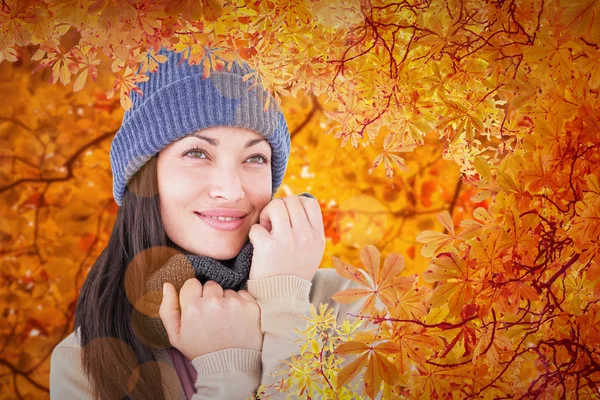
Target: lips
{"points": [[221, 225], [224, 216], [223, 212]]}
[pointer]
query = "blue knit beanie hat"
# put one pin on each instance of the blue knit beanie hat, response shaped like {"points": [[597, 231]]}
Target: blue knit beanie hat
{"points": [[178, 101]]}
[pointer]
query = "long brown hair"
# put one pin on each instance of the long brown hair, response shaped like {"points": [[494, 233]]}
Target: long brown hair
{"points": [[115, 359]]}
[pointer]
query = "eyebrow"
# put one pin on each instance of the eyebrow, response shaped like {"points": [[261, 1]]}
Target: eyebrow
{"points": [[216, 143]]}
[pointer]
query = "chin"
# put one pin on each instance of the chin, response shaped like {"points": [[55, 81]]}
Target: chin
{"points": [[218, 254]]}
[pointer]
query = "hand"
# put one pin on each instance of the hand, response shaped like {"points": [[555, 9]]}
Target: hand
{"points": [[289, 238], [210, 318]]}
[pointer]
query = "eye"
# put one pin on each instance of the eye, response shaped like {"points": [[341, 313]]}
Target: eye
{"points": [[202, 151], [193, 150], [260, 155]]}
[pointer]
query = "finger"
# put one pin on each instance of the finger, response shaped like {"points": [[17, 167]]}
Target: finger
{"points": [[312, 207], [169, 313], [212, 289], [297, 215], [190, 292], [276, 214], [265, 223], [230, 293], [244, 294], [306, 194]]}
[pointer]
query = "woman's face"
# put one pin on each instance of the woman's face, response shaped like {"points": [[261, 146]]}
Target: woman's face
{"points": [[223, 170]]}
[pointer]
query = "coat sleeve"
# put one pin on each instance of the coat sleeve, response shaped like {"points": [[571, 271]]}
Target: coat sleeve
{"points": [[67, 381], [227, 374], [283, 301]]}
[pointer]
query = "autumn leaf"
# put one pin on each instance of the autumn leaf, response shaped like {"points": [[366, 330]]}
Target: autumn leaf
{"points": [[586, 224], [151, 62], [61, 62], [411, 302], [520, 229], [578, 15], [86, 58], [465, 335], [458, 281], [487, 183], [9, 54], [378, 367], [380, 282], [126, 83], [434, 381], [320, 321], [392, 144], [352, 370], [212, 9], [73, 11], [437, 242], [112, 12], [493, 352], [18, 21]]}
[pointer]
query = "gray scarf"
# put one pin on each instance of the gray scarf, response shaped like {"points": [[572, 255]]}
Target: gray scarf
{"points": [[230, 274]]}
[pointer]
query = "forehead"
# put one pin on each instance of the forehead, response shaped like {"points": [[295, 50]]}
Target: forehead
{"points": [[223, 136], [224, 133]]}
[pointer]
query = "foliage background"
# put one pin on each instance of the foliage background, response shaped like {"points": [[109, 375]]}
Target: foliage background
{"points": [[492, 105]]}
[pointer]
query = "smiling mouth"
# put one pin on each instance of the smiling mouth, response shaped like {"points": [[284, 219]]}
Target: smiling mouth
{"points": [[225, 225], [221, 218]]}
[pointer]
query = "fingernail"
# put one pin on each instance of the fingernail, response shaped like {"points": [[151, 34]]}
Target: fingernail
{"points": [[164, 288]]}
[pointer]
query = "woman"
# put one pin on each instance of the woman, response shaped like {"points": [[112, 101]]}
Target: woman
{"points": [[236, 290]]}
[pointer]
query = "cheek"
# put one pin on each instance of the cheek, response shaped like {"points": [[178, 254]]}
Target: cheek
{"points": [[173, 180], [175, 188], [177, 193], [175, 207], [260, 196], [258, 188]]}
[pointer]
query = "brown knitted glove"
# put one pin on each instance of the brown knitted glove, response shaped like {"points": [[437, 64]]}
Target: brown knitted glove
{"points": [[146, 321]]}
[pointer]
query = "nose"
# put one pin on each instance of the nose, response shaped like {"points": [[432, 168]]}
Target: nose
{"points": [[227, 184]]}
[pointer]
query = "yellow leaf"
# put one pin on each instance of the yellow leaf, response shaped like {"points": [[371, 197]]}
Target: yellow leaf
{"points": [[446, 220], [480, 196], [39, 54], [434, 242], [80, 81], [482, 167], [592, 183]]}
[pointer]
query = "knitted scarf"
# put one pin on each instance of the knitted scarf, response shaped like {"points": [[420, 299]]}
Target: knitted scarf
{"points": [[230, 274]]}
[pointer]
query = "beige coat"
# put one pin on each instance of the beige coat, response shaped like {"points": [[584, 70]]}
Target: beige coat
{"points": [[230, 373]]}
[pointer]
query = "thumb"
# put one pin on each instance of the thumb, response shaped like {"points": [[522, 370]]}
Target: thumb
{"points": [[257, 233], [169, 313]]}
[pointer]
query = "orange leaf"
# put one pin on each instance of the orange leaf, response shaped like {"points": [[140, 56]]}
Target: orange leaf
{"points": [[352, 347], [351, 370], [388, 371], [349, 272], [369, 256], [372, 377], [350, 295]]}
